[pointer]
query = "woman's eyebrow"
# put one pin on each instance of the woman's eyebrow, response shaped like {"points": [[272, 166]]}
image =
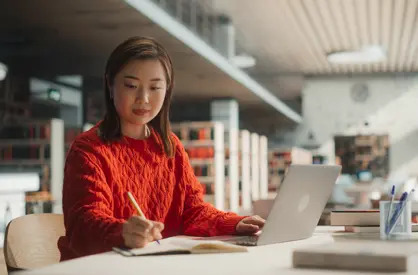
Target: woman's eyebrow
{"points": [[136, 78], [131, 77], [157, 79]]}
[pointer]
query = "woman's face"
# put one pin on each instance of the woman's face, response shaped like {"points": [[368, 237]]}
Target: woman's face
{"points": [[139, 90]]}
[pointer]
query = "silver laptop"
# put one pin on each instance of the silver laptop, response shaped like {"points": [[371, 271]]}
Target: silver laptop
{"points": [[297, 207]]}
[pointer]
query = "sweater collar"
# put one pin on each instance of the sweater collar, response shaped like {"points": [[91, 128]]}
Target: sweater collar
{"points": [[151, 148]]}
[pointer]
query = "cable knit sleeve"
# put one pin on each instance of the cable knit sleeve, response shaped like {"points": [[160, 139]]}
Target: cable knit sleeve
{"points": [[87, 205], [201, 218]]}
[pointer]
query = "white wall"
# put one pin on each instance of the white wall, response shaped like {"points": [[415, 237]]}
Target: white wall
{"points": [[392, 108]]}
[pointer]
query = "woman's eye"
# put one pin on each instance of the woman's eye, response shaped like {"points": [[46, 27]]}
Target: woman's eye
{"points": [[155, 88], [130, 86]]}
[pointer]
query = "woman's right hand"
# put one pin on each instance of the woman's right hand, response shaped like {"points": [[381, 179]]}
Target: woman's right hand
{"points": [[138, 232]]}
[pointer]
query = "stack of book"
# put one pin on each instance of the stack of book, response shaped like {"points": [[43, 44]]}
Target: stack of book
{"points": [[359, 221]]}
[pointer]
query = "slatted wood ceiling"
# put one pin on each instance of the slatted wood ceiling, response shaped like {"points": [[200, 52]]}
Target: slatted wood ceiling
{"points": [[294, 36]]}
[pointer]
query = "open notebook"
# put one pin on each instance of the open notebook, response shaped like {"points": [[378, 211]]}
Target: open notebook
{"points": [[176, 245]]}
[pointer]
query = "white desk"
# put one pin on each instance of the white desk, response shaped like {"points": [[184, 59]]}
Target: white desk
{"points": [[271, 259]]}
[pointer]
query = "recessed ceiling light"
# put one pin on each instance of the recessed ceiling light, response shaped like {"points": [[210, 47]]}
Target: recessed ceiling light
{"points": [[3, 71], [366, 55]]}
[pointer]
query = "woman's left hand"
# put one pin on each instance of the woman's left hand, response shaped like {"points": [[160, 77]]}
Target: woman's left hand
{"points": [[250, 225]]}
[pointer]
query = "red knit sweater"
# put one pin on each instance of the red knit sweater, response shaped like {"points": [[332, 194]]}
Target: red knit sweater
{"points": [[97, 177]]}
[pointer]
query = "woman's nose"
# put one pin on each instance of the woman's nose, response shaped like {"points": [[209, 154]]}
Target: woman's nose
{"points": [[142, 96]]}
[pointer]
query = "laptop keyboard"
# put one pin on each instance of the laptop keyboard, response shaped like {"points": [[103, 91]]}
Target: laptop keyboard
{"points": [[245, 240]]}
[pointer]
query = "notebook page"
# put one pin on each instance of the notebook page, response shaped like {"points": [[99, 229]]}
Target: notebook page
{"points": [[183, 244], [154, 247], [189, 244], [170, 244]]}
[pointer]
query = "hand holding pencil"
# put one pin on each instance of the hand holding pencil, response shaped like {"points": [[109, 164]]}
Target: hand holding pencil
{"points": [[138, 231]]}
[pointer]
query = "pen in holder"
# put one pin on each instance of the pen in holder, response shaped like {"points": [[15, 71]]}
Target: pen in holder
{"points": [[396, 224]]}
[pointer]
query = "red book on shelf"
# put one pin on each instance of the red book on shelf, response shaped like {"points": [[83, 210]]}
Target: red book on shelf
{"points": [[211, 152]]}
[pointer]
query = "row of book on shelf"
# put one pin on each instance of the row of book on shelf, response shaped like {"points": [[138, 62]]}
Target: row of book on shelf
{"points": [[231, 165]]}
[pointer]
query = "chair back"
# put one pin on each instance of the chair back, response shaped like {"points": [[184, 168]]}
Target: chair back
{"points": [[31, 241]]}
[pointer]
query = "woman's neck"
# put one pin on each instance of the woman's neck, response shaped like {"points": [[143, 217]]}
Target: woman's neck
{"points": [[135, 131]]}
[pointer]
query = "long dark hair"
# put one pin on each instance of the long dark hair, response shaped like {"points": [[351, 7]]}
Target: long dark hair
{"points": [[137, 48]]}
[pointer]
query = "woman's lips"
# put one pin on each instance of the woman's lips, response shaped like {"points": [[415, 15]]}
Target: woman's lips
{"points": [[140, 112]]}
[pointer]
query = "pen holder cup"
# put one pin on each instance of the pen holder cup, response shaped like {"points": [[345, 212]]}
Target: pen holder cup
{"points": [[398, 224]]}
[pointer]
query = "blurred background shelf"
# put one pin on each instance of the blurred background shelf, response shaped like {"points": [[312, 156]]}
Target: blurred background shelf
{"points": [[279, 161], [230, 164], [40, 147], [204, 144]]}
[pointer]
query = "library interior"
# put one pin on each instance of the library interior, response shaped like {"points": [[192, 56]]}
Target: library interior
{"points": [[276, 136]]}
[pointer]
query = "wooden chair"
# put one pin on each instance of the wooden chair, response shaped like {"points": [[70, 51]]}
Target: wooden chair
{"points": [[31, 241]]}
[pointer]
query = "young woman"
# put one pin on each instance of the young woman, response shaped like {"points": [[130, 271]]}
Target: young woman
{"points": [[133, 150]]}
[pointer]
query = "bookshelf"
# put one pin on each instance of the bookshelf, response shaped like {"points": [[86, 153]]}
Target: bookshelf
{"points": [[319, 159], [264, 173], [231, 165], [363, 152], [242, 175], [245, 170], [204, 143], [279, 160], [233, 168], [38, 147], [70, 133], [255, 167], [11, 110]]}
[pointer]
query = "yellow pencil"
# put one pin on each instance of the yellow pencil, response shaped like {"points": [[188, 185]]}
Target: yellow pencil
{"points": [[138, 209]]}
